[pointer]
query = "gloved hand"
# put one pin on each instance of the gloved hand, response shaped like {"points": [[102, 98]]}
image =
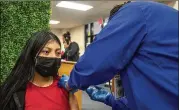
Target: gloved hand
{"points": [[98, 93], [63, 82]]}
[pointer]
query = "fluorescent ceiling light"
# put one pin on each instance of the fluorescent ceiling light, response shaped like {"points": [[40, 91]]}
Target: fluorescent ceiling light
{"points": [[72, 5], [54, 22]]}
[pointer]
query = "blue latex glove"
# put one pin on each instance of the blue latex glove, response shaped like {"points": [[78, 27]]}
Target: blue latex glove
{"points": [[97, 93], [63, 82], [102, 95]]}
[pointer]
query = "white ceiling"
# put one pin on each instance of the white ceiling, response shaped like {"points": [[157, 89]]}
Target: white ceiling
{"points": [[71, 18]]}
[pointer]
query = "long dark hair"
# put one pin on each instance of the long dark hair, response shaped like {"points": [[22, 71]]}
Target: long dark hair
{"points": [[24, 68]]}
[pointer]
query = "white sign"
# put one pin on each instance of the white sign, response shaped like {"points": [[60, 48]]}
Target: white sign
{"points": [[96, 27]]}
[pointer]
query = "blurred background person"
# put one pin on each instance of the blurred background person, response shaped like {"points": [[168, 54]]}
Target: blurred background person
{"points": [[71, 48]]}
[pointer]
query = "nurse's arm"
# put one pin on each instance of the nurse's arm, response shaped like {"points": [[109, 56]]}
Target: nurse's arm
{"points": [[112, 49]]}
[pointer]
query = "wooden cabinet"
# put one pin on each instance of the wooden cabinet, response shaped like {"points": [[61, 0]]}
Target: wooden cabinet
{"points": [[66, 67]]}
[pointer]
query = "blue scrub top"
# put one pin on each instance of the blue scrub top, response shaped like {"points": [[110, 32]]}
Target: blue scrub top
{"points": [[141, 43]]}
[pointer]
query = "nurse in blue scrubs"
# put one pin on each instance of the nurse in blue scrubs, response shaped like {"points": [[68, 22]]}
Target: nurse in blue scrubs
{"points": [[140, 42]]}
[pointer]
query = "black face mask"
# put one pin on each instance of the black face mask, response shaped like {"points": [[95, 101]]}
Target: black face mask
{"points": [[46, 66]]}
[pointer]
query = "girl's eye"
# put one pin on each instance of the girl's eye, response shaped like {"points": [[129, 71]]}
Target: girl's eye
{"points": [[45, 52], [58, 53]]}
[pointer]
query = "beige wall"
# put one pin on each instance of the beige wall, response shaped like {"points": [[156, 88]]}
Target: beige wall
{"points": [[58, 33], [77, 35], [173, 4], [176, 5]]}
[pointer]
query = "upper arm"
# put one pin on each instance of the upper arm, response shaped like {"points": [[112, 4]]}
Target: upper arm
{"points": [[73, 102]]}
